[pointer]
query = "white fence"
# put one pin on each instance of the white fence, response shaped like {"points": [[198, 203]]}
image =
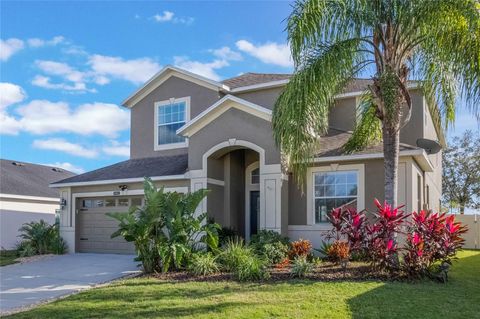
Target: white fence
{"points": [[472, 236]]}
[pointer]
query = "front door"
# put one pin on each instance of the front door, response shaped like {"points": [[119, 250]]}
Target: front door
{"points": [[254, 210]]}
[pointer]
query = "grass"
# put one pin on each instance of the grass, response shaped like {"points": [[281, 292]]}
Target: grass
{"points": [[152, 298], [7, 257]]}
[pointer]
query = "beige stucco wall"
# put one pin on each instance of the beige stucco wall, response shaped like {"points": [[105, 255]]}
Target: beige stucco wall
{"points": [[234, 124], [265, 98], [343, 115], [143, 119]]}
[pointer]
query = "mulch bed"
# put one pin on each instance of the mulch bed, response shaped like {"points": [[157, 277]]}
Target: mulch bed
{"points": [[324, 272]]}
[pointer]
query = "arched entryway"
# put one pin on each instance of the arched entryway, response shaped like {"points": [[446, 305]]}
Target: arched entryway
{"points": [[233, 178], [225, 170]]}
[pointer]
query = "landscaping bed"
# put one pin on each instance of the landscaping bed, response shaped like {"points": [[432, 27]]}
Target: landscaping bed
{"points": [[356, 271]]}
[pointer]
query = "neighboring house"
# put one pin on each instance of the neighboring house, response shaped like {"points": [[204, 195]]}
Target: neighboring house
{"points": [[25, 196], [189, 132]]}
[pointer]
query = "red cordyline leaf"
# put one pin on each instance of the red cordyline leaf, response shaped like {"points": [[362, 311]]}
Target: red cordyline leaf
{"points": [[391, 245], [416, 238]]}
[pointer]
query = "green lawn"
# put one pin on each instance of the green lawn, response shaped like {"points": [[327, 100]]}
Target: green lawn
{"points": [[151, 298], [7, 257]]}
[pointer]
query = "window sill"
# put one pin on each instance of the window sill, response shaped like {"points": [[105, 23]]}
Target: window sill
{"points": [[170, 146]]}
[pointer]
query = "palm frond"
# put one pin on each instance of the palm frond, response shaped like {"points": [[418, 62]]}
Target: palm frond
{"points": [[368, 127], [300, 115]]}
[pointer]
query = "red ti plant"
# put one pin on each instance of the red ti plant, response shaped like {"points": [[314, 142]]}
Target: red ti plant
{"points": [[382, 245], [432, 237], [354, 229], [336, 218]]}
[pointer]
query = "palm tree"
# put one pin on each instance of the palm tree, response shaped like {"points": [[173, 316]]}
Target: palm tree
{"points": [[436, 42]]}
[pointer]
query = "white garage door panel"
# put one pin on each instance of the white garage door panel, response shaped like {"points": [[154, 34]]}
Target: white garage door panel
{"points": [[94, 229]]}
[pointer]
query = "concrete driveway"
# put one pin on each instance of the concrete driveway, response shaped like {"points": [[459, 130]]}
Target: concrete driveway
{"points": [[23, 285]]}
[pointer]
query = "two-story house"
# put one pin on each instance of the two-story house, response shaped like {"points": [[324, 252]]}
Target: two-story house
{"points": [[189, 132]]}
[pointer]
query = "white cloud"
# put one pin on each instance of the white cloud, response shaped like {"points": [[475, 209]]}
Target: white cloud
{"points": [[76, 78], [45, 82], [37, 43], [270, 52], [169, 16], [135, 70], [67, 166], [204, 69], [164, 17], [117, 149], [61, 145], [10, 94], [10, 47], [43, 117], [60, 69], [225, 53]]}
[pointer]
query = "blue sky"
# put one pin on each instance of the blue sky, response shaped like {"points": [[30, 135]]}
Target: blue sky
{"points": [[66, 67]]}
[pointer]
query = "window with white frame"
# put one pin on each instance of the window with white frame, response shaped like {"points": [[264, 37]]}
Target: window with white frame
{"points": [[170, 116], [334, 189], [255, 176]]}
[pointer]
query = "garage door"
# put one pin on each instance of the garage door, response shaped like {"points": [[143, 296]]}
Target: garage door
{"points": [[94, 227]]}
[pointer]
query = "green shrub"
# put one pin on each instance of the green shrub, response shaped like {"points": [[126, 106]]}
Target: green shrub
{"points": [[267, 237], [234, 253], [166, 230], [58, 246], [39, 234], [25, 249], [41, 238], [251, 268], [274, 253], [203, 264], [301, 267], [225, 234], [270, 245]]}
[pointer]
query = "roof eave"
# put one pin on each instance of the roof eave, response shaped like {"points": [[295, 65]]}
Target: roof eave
{"points": [[147, 87], [120, 180]]}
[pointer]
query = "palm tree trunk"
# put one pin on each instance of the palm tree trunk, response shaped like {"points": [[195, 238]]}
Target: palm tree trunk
{"points": [[391, 147]]}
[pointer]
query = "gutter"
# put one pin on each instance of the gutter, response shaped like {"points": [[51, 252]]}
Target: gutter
{"points": [[419, 155], [120, 180]]}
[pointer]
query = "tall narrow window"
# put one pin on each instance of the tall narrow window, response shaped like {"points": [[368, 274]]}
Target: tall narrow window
{"points": [[419, 193], [332, 190], [255, 178], [170, 116]]}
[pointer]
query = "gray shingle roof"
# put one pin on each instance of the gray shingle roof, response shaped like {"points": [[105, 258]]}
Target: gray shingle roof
{"points": [[135, 168], [250, 78], [29, 179], [332, 144]]}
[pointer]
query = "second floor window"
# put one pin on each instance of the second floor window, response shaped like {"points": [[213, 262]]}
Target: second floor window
{"points": [[170, 116]]}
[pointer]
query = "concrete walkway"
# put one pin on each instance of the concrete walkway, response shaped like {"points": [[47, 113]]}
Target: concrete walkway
{"points": [[23, 285]]}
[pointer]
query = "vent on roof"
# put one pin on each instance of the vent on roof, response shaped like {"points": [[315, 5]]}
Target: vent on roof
{"points": [[55, 169], [18, 164]]}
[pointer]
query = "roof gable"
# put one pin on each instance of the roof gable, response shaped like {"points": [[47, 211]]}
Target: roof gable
{"points": [[220, 107], [164, 75]]}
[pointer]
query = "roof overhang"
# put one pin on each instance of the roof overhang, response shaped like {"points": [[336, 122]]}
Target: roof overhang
{"points": [[120, 180], [30, 198], [266, 85], [164, 75], [220, 107], [419, 155]]}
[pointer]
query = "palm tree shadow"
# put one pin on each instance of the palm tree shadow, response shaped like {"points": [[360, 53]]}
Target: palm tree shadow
{"points": [[459, 298]]}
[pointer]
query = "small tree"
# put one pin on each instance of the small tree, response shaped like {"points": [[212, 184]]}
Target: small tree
{"points": [[461, 172]]}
